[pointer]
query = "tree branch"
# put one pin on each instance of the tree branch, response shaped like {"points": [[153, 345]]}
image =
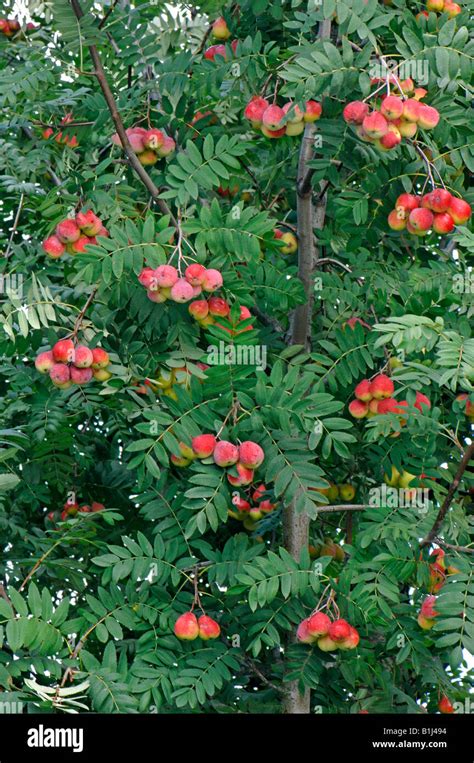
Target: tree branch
{"points": [[99, 72], [468, 455], [451, 547]]}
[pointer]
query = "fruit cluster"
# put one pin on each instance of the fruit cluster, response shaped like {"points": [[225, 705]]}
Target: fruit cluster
{"points": [[164, 282], [71, 509], [375, 397], [426, 617], [327, 548], [393, 119], [69, 364], [469, 406], [60, 137], [437, 210], [206, 311], [328, 634], [166, 379], [250, 513], [188, 627], [275, 121], [149, 145], [288, 239], [8, 27], [72, 236], [244, 458], [441, 6], [439, 571], [343, 492]]}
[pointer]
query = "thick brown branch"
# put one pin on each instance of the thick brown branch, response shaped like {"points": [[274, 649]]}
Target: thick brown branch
{"points": [[99, 72], [452, 547], [468, 455]]}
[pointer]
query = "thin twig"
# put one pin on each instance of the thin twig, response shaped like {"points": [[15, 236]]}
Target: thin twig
{"points": [[452, 547]]}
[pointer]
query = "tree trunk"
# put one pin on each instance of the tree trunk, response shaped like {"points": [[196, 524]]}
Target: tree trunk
{"points": [[295, 524]]}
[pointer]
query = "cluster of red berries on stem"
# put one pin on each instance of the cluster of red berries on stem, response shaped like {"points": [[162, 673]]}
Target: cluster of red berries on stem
{"points": [[252, 511], [219, 31], [74, 235], [441, 6], [9, 27], [188, 627], [149, 145], [375, 397], [165, 282], [72, 508], [275, 121], [205, 311], [329, 635], [69, 364], [392, 118], [468, 406], [60, 137], [438, 210], [243, 458]]}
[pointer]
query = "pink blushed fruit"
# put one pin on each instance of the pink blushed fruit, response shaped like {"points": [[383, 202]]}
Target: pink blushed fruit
{"points": [[225, 453], [199, 309], [411, 110], [100, 358], [154, 139], [421, 219], [244, 476], [81, 375], [166, 275], [186, 627], [79, 246], [351, 641], [68, 231], [44, 362], [312, 111], [339, 630], [203, 445], [254, 110], [318, 625], [182, 291], [428, 117], [273, 134], [382, 386], [272, 117], [156, 296], [355, 112], [147, 279], [195, 274], [375, 125], [208, 628], [392, 107], [53, 247], [407, 201], [302, 633], [251, 455], [63, 351], [326, 644], [443, 223], [168, 147], [358, 409], [459, 210], [212, 280], [59, 373], [440, 200], [397, 219], [83, 357], [294, 112], [220, 30], [218, 306], [421, 402], [88, 222]]}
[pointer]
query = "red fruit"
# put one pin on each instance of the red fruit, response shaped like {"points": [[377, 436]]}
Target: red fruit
{"points": [[272, 117], [392, 107], [47, 133], [440, 200], [84, 509], [428, 117], [443, 223], [53, 247], [391, 138], [245, 476], [358, 409], [444, 705], [407, 201], [266, 507], [421, 400], [313, 111], [375, 125], [182, 291], [154, 139], [68, 231], [147, 279], [388, 405], [251, 455], [240, 504], [259, 492], [439, 555], [411, 110], [63, 351], [208, 628], [166, 276], [297, 114], [254, 110], [167, 148], [44, 362], [186, 627], [59, 373], [274, 133], [427, 607], [212, 280], [397, 219], [88, 222], [83, 357], [97, 506], [362, 391], [459, 210], [220, 30], [351, 641], [302, 633], [355, 112], [373, 408], [81, 376], [351, 322], [218, 306], [195, 274], [71, 508], [225, 453], [199, 309], [318, 625], [421, 219], [339, 630], [79, 246], [382, 386], [100, 358]]}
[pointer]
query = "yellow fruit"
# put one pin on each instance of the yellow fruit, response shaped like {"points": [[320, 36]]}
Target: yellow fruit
{"points": [[393, 479], [346, 492]]}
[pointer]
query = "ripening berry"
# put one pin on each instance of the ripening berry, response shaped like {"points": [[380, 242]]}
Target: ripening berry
{"points": [[251, 455], [166, 276], [186, 627], [212, 280], [59, 373], [44, 362], [182, 291], [195, 274], [83, 357], [208, 628], [339, 630], [225, 453], [382, 386], [255, 109], [68, 231], [81, 376], [53, 247], [318, 625], [63, 351], [245, 476]]}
